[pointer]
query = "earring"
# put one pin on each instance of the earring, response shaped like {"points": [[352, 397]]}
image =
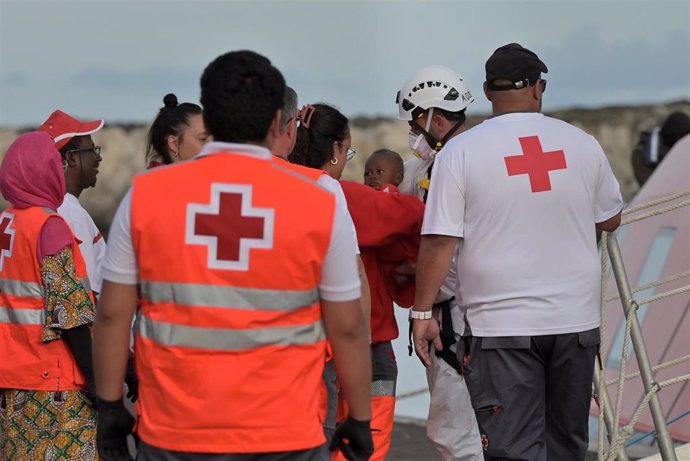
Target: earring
{"points": [[334, 161], [175, 154]]}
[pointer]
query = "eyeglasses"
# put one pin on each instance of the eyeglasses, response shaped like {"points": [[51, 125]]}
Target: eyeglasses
{"points": [[543, 85], [95, 149], [351, 151]]}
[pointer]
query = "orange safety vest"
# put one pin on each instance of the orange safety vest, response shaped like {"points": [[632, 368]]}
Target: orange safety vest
{"points": [[28, 362], [230, 344], [312, 173]]}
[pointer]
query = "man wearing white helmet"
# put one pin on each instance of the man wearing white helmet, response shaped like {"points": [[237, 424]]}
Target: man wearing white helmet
{"points": [[433, 102]]}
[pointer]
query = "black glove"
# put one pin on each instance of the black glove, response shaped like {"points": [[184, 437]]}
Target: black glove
{"points": [[115, 423], [132, 381], [353, 438], [90, 393], [79, 342]]}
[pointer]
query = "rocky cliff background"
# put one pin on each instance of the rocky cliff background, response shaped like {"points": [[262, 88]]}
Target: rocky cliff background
{"points": [[616, 128]]}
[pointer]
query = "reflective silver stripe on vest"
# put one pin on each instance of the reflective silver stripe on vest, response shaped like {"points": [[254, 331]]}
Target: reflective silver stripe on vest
{"points": [[21, 288], [198, 295], [22, 316], [226, 339], [383, 388]]}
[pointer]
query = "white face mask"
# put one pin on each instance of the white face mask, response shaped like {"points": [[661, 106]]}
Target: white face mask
{"points": [[420, 146]]}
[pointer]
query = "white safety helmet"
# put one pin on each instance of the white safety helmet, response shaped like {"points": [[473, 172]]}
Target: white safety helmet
{"points": [[433, 86]]}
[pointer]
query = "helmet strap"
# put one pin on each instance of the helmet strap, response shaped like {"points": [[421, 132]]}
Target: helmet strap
{"points": [[451, 132], [433, 142], [437, 144]]}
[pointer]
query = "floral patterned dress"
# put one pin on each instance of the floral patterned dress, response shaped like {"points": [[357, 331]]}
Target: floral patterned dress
{"points": [[47, 425]]}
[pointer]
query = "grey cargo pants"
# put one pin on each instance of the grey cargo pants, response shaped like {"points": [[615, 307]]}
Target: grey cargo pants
{"points": [[531, 395]]}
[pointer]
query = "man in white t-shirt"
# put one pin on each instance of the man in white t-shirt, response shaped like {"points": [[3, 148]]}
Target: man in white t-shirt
{"points": [[81, 158], [433, 101], [523, 194]]}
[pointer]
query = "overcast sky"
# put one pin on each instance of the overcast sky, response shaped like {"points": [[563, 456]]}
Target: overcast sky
{"points": [[117, 59]]}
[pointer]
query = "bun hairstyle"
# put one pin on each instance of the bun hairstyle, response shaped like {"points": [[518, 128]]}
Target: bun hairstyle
{"points": [[172, 119], [322, 126], [170, 100]]}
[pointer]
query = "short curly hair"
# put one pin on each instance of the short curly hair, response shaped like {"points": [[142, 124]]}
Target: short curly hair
{"points": [[241, 91]]}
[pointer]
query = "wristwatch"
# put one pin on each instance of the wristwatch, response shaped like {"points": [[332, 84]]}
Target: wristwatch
{"points": [[420, 315]]}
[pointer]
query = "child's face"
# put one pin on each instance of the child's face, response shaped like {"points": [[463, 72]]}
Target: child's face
{"points": [[380, 170]]}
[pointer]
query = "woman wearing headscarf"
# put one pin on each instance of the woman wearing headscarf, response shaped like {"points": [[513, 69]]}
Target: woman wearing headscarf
{"points": [[46, 308]]}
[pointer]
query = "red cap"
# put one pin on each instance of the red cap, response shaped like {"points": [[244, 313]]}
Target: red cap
{"points": [[62, 127]]}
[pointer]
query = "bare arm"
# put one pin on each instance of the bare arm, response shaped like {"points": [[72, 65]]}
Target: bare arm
{"points": [[365, 300], [610, 224], [348, 336], [111, 338], [433, 263]]}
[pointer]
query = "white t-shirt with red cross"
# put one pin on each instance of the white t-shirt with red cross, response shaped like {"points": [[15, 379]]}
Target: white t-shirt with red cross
{"points": [[524, 191]]}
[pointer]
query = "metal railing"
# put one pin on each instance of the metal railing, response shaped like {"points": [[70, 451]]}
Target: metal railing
{"points": [[617, 435], [610, 429]]}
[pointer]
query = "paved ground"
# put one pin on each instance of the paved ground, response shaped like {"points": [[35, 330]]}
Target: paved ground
{"points": [[409, 443]]}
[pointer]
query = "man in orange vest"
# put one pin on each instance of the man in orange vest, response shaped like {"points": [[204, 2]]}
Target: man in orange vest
{"points": [[238, 279]]}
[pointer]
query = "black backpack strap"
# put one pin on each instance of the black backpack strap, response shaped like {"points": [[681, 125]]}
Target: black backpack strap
{"points": [[410, 349], [448, 336]]}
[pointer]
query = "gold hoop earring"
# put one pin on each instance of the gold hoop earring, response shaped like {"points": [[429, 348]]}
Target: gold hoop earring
{"points": [[334, 161]]}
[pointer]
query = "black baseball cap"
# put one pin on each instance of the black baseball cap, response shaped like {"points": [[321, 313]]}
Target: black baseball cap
{"points": [[512, 62]]}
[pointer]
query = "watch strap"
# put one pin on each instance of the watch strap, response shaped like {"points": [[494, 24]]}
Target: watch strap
{"points": [[420, 315]]}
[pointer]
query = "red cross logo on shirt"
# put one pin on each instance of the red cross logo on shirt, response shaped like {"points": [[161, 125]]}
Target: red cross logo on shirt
{"points": [[229, 226], [535, 163], [6, 237]]}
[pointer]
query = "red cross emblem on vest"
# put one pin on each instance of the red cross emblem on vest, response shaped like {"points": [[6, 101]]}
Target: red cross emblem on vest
{"points": [[6, 237], [535, 163], [229, 226]]}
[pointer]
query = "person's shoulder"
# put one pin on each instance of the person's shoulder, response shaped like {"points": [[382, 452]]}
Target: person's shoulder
{"points": [[72, 210], [565, 127], [456, 147], [412, 160], [151, 175], [471, 135], [331, 185], [56, 222], [308, 174], [56, 230], [572, 135], [413, 163], [319, 179]]}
